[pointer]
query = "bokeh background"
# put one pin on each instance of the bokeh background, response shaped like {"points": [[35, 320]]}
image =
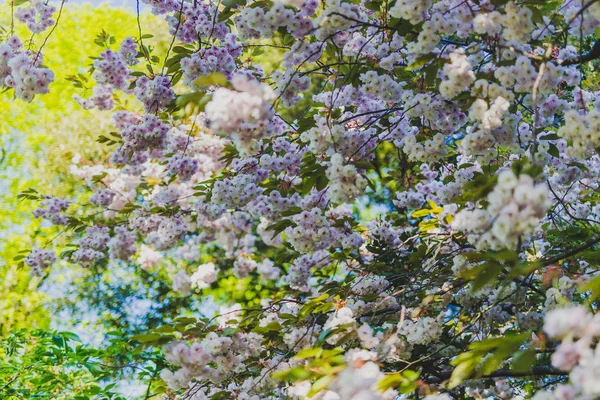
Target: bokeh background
{"points": [[39, 143]]}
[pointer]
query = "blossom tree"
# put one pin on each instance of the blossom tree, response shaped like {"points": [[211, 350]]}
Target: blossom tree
{"points": [[392, 199]]}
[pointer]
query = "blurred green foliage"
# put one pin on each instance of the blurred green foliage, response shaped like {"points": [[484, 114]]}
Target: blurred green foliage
{"points": [[38, 142]]}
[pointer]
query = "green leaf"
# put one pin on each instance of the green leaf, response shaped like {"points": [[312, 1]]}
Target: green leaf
{"points": [[421, 61], [390, 381], [324, 335], [309, 353], [372, 5], [225, 14], [484, 275], [421, 213], [230, 331], [320, 384], [70, 336], [551, 136], [306, 123], [185, 99], [291, 211], [412, 376], [536, 15], [294, 374], [280, 226], [364, 164], [592, 286], [523, 360], [431, 72], [181, 50], [146, 337], [233, 3], [58, 341], [463, 370], [553, 151], [216, 78]]}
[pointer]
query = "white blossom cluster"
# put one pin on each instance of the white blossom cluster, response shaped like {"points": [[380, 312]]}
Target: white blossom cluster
{"points": [[39, 260], [582, 130], [228, 352], [248, 106], [578, 330], [516, 206], [459, 74], [93, 246], [37, 17], [345, 183], [22, 70], [422, 330], [410, 10]]}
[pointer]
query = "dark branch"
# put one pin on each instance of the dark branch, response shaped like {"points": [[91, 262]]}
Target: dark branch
{"points": [[530, 286], [593, 54], [506, 373], [381, 311], [535, 371], [575, 250]]}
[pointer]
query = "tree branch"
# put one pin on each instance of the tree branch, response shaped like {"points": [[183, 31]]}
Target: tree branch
{"points": [[588, 243], [593, 54], [507, 373], [535, 371]]}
